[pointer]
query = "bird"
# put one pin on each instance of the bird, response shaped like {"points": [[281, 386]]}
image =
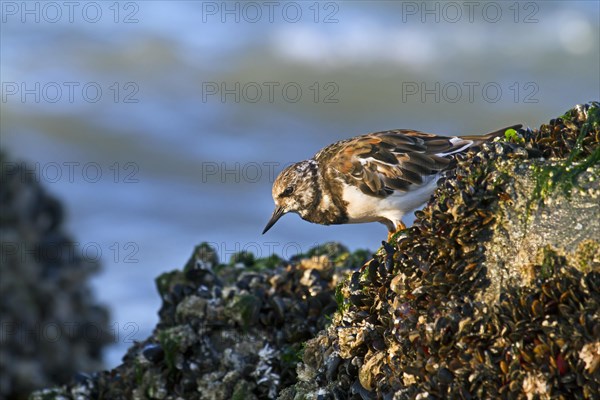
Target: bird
{"points": [[376, 177]]}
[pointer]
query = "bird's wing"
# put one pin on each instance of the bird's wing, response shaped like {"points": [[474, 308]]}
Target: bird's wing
{"points": [[382, 162]]}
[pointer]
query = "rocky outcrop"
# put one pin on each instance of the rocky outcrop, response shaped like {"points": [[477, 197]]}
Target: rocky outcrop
{"points": [[494, 292], [50, 326], [230, 331]]}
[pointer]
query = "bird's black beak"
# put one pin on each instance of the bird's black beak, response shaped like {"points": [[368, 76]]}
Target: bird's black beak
{"points": [[274, 218]]}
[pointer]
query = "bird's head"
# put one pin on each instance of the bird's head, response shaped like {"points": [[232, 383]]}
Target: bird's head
{"points": [[295, 190]]}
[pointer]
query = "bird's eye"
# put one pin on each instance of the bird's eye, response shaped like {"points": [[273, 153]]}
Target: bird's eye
{"points": [[288, 191]]}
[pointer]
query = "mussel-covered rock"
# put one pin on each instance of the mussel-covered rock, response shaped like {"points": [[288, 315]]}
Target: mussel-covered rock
{"points": [[47, 311], [229, 331], [492, 293]]}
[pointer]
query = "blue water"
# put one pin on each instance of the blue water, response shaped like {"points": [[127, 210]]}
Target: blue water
{"points": [[180, 164]]}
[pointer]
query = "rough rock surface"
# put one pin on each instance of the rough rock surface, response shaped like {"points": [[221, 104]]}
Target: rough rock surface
{"points": [[227, 331], [50, 325], [494, 292]]}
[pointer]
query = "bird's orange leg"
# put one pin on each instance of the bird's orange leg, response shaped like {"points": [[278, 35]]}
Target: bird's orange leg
{"points": [[399, 227]]}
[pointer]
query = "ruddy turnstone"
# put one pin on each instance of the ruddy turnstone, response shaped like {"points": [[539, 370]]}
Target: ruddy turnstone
{"points": [[377, 177]]}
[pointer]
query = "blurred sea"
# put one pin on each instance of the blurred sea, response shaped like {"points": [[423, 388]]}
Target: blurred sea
{"points": [[133, 119]]}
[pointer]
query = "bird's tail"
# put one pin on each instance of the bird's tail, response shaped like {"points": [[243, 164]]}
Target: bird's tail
{"points": [[489, 136]]}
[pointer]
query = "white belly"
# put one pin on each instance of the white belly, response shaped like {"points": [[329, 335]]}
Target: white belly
{"points": [[365, 208]]}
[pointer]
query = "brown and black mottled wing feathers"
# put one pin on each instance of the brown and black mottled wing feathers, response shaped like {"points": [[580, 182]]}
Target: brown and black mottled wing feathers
{"points": [[383, 162]]}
